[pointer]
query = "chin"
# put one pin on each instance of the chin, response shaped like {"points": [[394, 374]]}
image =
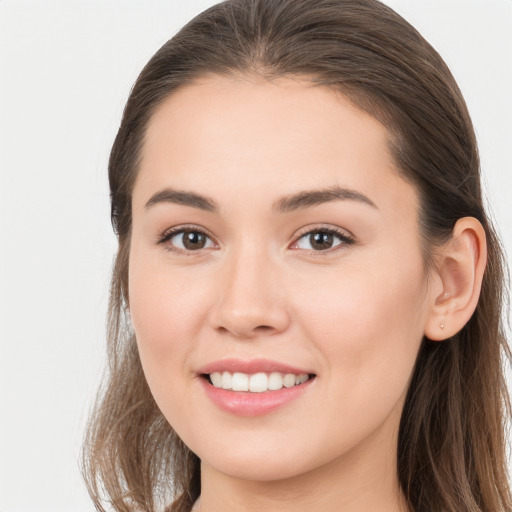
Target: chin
{"points": [[257, 469], [256, 459]]}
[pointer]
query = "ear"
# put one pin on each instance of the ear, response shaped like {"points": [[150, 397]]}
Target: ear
{"points": [[458, 280]]}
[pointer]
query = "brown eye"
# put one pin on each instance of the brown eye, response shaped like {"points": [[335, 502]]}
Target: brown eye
{"points": [[322, 240], [190, 240], [193, 240]]}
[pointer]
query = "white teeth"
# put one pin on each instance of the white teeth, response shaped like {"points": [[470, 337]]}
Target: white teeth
{"points": [[300, 379], [257, 382], [216, 378], [227, 380], [240, 382], [289, 380], [275, 381]]}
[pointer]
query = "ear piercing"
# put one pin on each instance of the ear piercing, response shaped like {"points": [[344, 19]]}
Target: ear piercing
{"points": [[441, 298]]}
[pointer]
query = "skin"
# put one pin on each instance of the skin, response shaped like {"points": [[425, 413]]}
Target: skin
{"points": [[353, 315]]}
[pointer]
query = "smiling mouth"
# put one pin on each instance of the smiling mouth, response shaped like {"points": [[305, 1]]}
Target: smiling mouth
{"points": [[257, 382]]}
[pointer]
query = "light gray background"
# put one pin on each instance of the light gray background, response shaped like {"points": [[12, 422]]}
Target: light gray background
{"points": [[66, 68]]}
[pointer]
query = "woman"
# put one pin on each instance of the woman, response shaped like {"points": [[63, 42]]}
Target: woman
{"points": [[305, 306]]}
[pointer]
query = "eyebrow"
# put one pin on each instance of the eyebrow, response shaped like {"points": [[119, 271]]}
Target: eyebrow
{"points": [[301, 200], [192, 199], [308, 198]]}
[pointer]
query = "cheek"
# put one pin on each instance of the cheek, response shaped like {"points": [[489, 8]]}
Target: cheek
{"points": [[166, 313], [367, 321], [366, 329], [165, 306]]}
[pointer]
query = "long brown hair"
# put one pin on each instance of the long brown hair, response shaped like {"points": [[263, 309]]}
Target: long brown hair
{"points": [[451, 451]]}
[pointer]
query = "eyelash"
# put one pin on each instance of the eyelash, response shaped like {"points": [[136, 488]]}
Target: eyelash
{"points": [[345, 239], [343, 236], [170, 233]]}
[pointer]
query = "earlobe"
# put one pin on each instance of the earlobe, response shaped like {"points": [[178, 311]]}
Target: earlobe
{"points": [[460, 270]]}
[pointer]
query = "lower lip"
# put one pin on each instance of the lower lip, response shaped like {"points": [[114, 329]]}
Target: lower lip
{"points": [[244, 403]]}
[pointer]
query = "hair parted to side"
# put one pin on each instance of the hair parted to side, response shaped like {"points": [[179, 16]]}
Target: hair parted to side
{"points": [[451, 453]]}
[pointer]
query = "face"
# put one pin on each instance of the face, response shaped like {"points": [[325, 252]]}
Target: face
{"points": [[275, 250]]}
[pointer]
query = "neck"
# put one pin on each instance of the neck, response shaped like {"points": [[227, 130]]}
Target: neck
{"points": [[363, 480]]}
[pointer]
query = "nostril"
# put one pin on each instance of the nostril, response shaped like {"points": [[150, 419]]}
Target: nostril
{"points": [[264, 328], [246, 333], [244, 318]]}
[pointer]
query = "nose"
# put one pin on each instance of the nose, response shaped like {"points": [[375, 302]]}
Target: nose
{"points": [[251, 299]]}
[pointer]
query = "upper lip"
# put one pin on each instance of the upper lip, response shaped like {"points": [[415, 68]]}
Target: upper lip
{"points": [[250, 367]]}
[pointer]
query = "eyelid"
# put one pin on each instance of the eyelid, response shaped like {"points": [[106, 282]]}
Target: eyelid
{"points": [[165, 237], [344, 235]]}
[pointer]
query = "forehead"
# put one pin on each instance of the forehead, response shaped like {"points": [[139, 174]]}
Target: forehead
{"points": [[233, 134]]}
